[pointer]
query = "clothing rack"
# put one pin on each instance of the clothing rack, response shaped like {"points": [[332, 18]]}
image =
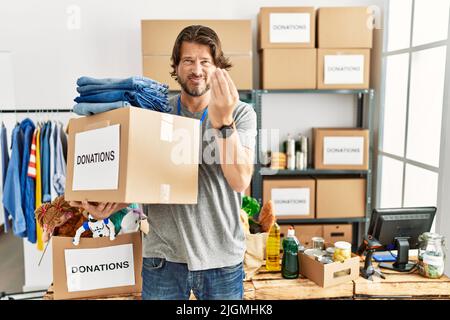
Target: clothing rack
{"points": [[35, 110]]}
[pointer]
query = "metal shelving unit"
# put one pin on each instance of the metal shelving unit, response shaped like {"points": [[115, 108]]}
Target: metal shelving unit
{"points": [[364, 98]]}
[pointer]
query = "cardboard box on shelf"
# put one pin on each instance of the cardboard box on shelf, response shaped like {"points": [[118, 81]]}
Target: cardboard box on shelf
{"points": [[340, 197], [337, 232], [343, 69], [287, 27], [97, 266], [303, 232], [292, 199], [158, 36], [133, 155], [331, 274], [344, 27], [158, 67], [341, 148], [288, 68]]}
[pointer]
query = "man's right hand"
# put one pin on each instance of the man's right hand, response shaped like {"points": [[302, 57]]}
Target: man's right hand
{"points": [[101, 210]]}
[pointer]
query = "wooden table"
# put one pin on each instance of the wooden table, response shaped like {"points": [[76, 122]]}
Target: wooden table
{"points": [[270, 285], [49, 296], [267, 285]]}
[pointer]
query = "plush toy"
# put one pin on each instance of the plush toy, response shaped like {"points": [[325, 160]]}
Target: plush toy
{"points": [[59, 218], [99, 228], [131, 221]]}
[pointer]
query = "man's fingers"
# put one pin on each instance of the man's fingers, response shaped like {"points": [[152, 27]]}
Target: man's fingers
{"points": [[223, 83], [233, 89], [108, 208], [77, 204], [214, 86]]}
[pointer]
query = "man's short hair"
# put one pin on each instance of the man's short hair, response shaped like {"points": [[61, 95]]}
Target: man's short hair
{"points": [[201, 35]]}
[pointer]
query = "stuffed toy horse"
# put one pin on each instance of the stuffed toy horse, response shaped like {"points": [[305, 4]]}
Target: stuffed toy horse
{"points": [[131, 221], [99, 228]]}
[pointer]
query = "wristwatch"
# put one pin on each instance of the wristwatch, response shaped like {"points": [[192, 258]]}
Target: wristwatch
{"points": [[226, 130]]}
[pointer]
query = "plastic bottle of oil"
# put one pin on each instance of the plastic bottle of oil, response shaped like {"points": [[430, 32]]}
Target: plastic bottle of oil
{"points": [[273, 249]]}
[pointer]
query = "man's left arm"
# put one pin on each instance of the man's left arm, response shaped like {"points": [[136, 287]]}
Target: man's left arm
{"points": [[236, 161], [236, 150]]}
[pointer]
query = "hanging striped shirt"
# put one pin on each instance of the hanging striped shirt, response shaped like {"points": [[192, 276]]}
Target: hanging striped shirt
{"points": [[32, 162]]}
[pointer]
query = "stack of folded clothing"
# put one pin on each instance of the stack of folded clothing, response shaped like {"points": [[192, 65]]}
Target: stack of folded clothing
{"points": [[100, 95]]}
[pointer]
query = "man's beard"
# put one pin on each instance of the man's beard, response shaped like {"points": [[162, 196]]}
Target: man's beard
{"points": [[196, 92]]}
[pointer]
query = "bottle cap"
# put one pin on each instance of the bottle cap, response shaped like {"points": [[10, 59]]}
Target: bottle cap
{"points": [[291, 232]]}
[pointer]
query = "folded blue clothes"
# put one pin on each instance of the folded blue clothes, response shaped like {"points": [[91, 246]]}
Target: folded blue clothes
{"points": [[143, 100], [86, 84], [138, 91], [87, 108]]}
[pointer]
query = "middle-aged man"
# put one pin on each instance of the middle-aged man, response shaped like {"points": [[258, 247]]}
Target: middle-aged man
{"points": [[201, 247]]}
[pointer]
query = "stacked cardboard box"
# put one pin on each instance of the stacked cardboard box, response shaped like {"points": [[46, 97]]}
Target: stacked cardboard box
{"points": [[286, 44], [292, 199], [344, 42], [158, 39]]}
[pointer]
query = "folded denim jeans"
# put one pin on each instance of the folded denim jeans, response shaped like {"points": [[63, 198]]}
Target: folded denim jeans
{"points": [[144, 99], [110, 83], [87, 109]]}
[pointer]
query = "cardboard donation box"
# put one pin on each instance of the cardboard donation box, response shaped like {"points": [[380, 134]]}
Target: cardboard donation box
{"points": [[343, 68], [331, 274], [133, 155], [97, 267], [341, 148], [337, 232], [287, 27], [292, 199], [288, 68], [340, 198], [345, 27]]}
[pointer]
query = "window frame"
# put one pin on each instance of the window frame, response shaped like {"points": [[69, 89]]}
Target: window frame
{"points": [[445, 125]]}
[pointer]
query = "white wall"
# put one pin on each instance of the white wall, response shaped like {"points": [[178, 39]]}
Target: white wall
{"points": [[49, 55]]}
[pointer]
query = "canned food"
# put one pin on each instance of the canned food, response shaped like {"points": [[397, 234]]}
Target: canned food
{"points": [[342, 251], [325, 259], [314, 252]]}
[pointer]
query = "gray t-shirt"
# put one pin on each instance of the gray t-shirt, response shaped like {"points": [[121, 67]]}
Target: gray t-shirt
{"points": [[208, 234]]}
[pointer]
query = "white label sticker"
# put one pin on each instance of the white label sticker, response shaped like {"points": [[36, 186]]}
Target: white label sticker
{"points": [[96, 159], [343, 150], [344, 69], [90, 269], [289, 27], [291, 201], [433, 260]]}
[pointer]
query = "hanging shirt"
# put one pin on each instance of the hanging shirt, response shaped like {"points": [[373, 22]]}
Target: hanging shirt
{"points": [[31, 193], [38, 197], [5, 162], [12, 195], [45, 149], [52, 142], [27, 184], [59, 179]]}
